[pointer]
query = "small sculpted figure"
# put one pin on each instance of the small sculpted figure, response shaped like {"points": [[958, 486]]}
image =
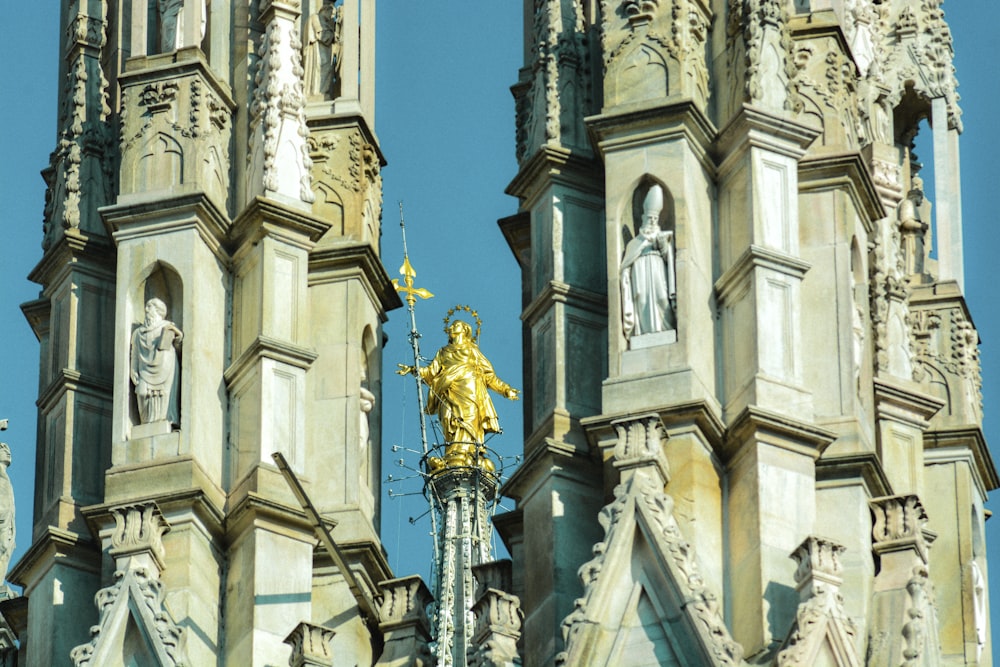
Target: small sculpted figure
{"points": [[321, 59], [154, 365], [6, 512], [459, 378], [647, 274]]}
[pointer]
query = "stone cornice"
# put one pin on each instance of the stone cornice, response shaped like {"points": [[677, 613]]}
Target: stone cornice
{"points": [[559, 292], [510, 526], [640, 124], [334, 121], [865, 467], [776, 430], [697, 414], [55, 545], [150, 214], [552, 458], [516, 230], [823, 23], [173, 65], [758, 257], [75, 251], [554, 163], [37, 312], [939, 294], [264, 347], [904, 403], [847, 172], [192, 499], [752, 127], [70, 380], [946, 444], [331, 264], [266, 217]]}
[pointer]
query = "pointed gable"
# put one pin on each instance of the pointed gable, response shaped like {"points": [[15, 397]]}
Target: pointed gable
{"points": [[644, 602]]}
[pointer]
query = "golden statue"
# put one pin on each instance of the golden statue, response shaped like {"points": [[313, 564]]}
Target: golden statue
{"points": [[458, 379]]}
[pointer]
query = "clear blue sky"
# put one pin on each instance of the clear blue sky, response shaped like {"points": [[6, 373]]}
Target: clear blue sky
{"points": [[445, 119]]}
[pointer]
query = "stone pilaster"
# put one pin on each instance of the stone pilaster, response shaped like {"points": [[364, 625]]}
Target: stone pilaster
{"points": [[279, 156], [759, 288]]}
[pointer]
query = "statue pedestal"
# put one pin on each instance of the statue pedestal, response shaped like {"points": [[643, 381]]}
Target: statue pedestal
{"points": [[141, 431], [644, 341]]}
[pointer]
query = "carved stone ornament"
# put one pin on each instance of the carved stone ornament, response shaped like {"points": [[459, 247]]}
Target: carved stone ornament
{"points": [[590, 631], [138, 529], [640, 444], [820, 618], [763, 70], [899, 523], [497, 629], [404, 623], [139, 595], [310, 646], [555, 91], [277, 111]]}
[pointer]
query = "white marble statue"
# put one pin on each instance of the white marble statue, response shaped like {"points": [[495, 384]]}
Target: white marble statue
{"points": [[154, 366], [322, 51], [6, 512], [647, 274], [172, 17]]}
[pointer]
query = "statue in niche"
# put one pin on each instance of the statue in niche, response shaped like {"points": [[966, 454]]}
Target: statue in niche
{"points": [[459, 378], [154, 366], [6, 513], [367, 403], [171, 13], [321, 60], [649, 292]]}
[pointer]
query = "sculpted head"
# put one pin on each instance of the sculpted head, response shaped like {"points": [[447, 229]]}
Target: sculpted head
{"points": [[156, 311], [4, 454], [459, 332], [652, 205]]}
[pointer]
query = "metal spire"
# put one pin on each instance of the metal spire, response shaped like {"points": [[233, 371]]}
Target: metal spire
{"points": [[411, 293]]}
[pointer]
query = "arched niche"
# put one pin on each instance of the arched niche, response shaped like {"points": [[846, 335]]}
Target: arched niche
{"points": [[161, 281], [647, 266]]}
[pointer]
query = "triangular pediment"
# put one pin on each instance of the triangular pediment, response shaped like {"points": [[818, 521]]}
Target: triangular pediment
{"points": [[644, 601], [135, 629]]}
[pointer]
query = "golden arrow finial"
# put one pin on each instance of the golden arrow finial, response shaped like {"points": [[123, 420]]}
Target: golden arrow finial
{"points": [[407, 287]]}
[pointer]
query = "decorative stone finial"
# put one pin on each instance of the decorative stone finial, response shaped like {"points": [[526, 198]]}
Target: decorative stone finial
{"points": [[310, 645], [138, 533], [898, 525], [640, 444]]}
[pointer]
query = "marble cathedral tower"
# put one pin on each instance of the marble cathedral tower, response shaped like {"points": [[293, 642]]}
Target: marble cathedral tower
{"points": [[745, 339], [211, 293], [752, 388]]}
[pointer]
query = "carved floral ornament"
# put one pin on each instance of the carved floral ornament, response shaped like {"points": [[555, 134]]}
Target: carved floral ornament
{"points": [[138, 594]]}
